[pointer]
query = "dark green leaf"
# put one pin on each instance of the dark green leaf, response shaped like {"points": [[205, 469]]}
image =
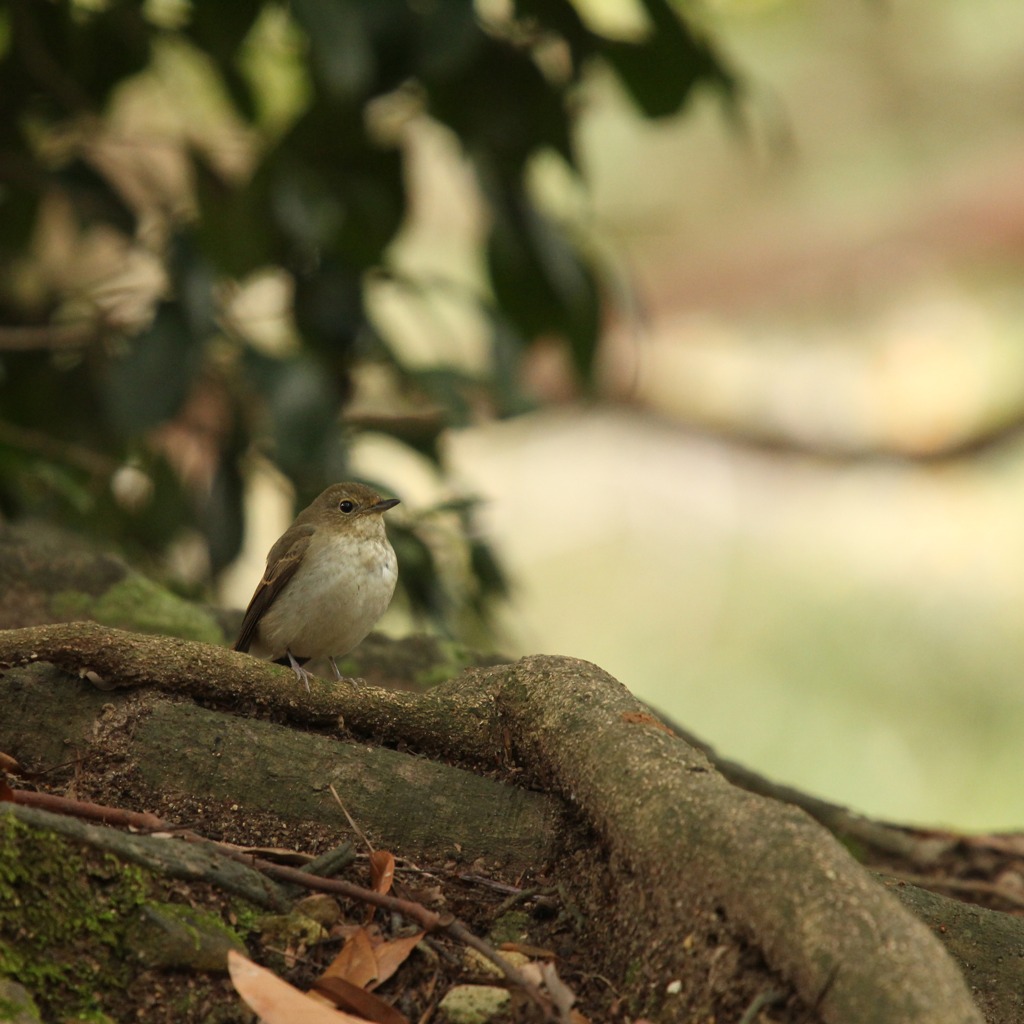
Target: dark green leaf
{"points": [[74, 56], [488, 572], [501, 107], [542, 283], [661, 72], [147, 384], [344, 61], [419, 578], [337, 192], [222, 517], [329, 313], [303, 407], [448, 37], [18, 209]]}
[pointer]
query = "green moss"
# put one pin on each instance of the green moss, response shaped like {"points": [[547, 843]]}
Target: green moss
{"points": [[245, 916], [175, 936], [62, 917], [139, 604]]}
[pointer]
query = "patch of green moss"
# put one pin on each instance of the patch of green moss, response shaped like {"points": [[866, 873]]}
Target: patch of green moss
{"points": [[245, 917], [62, 919], [179, 937], [141, 605]]}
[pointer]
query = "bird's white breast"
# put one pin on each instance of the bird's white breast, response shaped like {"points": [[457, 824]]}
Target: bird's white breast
{"points": [[344, 585]]}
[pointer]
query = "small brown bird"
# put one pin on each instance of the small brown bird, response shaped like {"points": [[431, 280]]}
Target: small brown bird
{"points": [[329, 578]]}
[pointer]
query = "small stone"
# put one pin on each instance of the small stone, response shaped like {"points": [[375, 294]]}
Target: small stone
{"points": [[473, 1004], [321, 908]]}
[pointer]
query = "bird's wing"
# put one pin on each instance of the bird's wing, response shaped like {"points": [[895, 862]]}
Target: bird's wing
{"points": [[283, 560]]}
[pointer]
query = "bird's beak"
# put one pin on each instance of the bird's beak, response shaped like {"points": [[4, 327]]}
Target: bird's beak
{"points": [[383, 506]]}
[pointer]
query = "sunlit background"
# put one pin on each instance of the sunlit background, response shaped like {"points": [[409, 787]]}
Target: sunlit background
{"points": [[754, 526]]}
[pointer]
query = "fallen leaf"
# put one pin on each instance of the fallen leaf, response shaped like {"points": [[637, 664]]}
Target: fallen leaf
{"points": [[563, 996], [347, 996], [382, 871], [392, 954], [357, 962], [274, 1001]]}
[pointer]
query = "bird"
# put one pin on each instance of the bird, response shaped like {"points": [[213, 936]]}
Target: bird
{"points": [[329, 577]]}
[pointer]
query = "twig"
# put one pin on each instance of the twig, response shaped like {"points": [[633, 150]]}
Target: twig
{"points": [[138, 820], [355, 828]]}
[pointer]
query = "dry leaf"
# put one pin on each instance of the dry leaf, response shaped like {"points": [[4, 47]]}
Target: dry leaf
{"points": [[382, 871], [391, 955], [350, 997], [274, 1001], [357, 962]]}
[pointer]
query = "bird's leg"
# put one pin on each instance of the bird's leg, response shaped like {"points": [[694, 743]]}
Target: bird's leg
{"points": [[299, 671], [337, 673]]}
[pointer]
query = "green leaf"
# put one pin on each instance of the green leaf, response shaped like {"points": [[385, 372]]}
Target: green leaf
{"points": [[233, 228], [18, 209], [148, 383], [83, 53], [329, 312], [222, 514], [303, 405], [419, 577], [661, 72], [502, 108], [335, 191], [542, 283], [344, 62]]}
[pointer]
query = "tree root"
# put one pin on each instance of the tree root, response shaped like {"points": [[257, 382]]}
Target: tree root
{"points": [[676, 836]]}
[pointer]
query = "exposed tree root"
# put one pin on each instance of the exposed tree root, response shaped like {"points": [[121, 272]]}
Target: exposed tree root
{"points": [[679, 841]]}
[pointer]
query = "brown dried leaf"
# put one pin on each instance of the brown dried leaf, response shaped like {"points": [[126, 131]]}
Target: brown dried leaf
{"points": [[274, 1001], [357, 962], [392, 954], [347, 996], [382, 871]]}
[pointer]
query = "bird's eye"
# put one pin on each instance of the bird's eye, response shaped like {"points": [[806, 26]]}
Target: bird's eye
{"points": [[346, 506]]}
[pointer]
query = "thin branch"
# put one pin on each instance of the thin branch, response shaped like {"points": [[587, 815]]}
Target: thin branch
{"points": [[50, 337]]}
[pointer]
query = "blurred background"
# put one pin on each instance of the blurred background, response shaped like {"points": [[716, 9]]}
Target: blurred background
{"points": [[692, 340]]}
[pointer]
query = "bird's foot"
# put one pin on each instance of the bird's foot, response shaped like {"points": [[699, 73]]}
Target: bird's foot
{"points": [[337, 673], [299, 671]]}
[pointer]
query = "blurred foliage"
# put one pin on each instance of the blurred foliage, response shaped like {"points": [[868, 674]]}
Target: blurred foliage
{"points": [[131, 405]]}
